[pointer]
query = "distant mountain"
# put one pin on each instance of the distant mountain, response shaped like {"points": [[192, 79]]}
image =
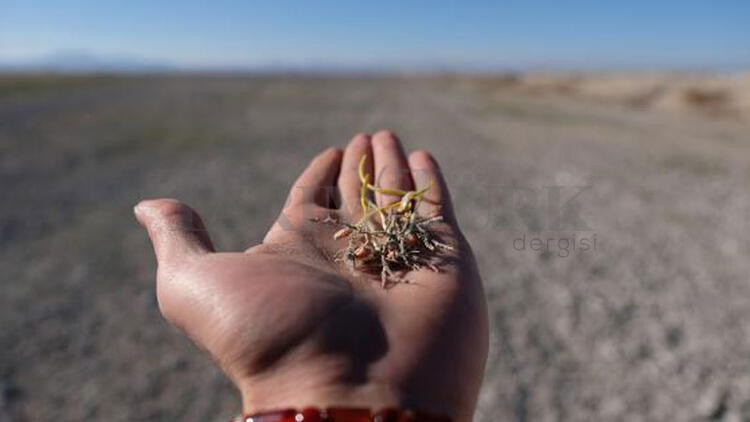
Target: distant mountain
{"points": [[82, 62], [75, 61]]}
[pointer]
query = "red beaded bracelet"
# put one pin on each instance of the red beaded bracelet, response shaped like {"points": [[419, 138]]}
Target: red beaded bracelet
{"points": [[341, 414]]}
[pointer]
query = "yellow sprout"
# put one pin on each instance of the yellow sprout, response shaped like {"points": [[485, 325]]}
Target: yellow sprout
{"points": [[402, 205]]}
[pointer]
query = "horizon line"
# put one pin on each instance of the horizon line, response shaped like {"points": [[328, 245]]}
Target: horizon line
{"points": [[77, 61]]}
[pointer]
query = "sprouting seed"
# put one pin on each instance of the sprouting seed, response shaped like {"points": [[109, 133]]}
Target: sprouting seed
{"points": [[392, 238], [406, 201], [363, 252], [410, 240], [346, 231]]}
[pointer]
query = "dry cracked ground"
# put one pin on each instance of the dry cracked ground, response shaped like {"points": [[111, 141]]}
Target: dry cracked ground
{"points": [[633, 304]]}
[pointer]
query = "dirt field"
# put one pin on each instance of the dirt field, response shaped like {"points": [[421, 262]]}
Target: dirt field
{"points": [[651, 324]]}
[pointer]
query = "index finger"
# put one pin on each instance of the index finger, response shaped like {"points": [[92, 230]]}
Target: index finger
{"points": [[317, 183]]}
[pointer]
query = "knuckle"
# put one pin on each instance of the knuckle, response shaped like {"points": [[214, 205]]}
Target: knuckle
{"points": [[166, 308]]}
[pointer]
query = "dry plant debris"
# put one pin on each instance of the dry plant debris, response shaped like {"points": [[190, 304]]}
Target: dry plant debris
{"points": [[391, 238]]}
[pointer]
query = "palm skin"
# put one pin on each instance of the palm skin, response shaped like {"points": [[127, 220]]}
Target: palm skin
{"points": [[292, 327]]}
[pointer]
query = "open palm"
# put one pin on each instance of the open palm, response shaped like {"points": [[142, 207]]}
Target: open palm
{"points": [[293, 327]]}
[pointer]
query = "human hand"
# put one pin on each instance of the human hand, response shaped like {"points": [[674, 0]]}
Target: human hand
{"points": [[292, 327]]}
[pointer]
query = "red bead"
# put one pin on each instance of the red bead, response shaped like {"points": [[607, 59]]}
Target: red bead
{"points": [[348, 414], [309, 414], [343, 414], [285, 415]]}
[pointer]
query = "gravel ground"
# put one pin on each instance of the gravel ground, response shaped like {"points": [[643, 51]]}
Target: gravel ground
{"points": [[632, 306]]}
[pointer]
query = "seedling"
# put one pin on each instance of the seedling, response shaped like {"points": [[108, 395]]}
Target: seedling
{"points": [[388, 239]]}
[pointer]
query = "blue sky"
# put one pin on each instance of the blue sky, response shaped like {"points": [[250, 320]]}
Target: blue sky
{"points": [[479, 34]]}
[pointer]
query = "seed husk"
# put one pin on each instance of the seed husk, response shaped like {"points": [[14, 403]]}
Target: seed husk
{"points": [[342, 233], [363, 252]]}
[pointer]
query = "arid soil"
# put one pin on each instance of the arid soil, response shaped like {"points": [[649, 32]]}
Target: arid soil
{"points": [[612, 237]]}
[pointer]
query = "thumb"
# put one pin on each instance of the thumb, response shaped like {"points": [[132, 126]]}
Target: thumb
{"points": [[176, 231]]}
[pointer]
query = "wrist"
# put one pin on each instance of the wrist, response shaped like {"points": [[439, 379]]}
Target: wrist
{"points": [[342, 414], [302, 394], [324, 383], [303, 388]]}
